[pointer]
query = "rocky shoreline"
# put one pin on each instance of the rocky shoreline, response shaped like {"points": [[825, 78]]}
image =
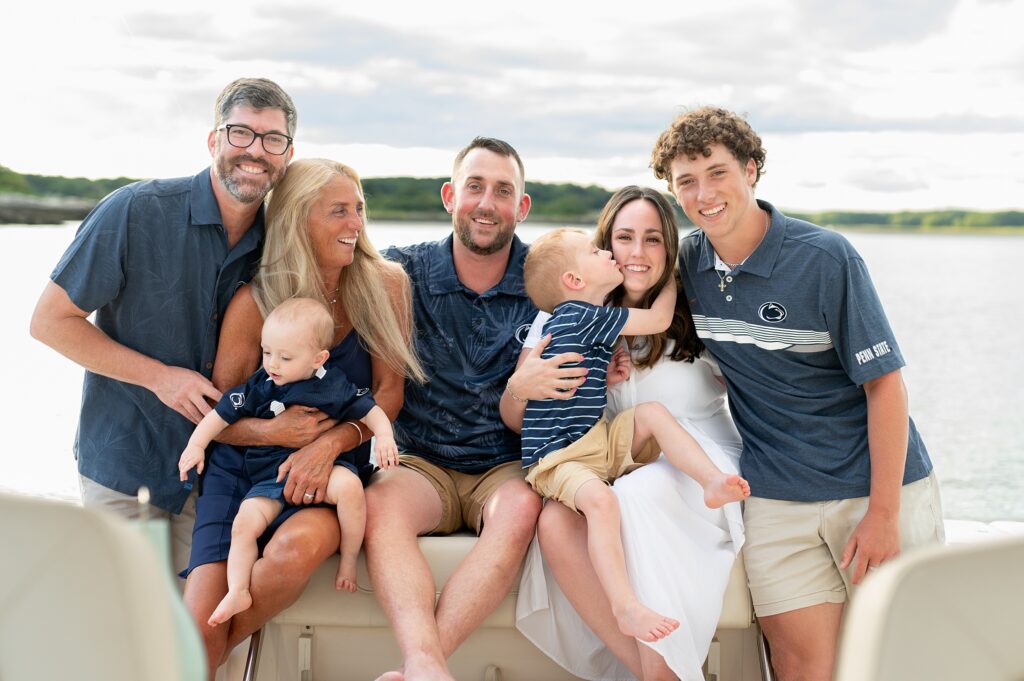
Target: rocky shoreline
{"points": [[19, 209]]}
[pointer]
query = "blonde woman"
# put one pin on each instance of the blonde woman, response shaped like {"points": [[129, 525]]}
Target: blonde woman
{"points": [[315, 248]]}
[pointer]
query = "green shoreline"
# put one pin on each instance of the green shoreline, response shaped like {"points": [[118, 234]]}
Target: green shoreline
{"points": [[48, 200]]}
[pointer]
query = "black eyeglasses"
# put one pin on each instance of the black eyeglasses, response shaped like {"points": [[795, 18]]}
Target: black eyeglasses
{"points": [[242, 137]]}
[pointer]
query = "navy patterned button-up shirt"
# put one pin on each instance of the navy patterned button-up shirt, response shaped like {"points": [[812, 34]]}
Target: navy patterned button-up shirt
{"points": [[469, 345], [152, 260]]}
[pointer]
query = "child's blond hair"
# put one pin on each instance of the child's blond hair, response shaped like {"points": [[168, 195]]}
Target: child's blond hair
{"points": [[311, 316], [549, 258]]}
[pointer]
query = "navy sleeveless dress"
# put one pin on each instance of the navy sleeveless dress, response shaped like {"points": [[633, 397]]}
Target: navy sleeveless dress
{"points": [[224, 483]]}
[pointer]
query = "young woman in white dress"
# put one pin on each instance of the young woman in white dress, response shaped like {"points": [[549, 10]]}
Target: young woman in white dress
{"points": [[679, 553]]}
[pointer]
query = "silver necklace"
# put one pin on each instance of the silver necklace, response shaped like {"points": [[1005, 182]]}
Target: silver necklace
{"points": [[734, 265]]}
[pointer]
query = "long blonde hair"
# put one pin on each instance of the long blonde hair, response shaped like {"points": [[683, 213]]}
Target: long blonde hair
{"points": [[288, 268]]}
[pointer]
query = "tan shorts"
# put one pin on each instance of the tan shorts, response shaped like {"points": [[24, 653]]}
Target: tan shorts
{"points": [[604, 454], [793, 549], [126, 506], [463, 495]]}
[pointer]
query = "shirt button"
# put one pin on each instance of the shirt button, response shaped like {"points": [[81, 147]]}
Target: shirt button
{"points": [[214, 316], [209, 365], [728, 298], [729, 279]]}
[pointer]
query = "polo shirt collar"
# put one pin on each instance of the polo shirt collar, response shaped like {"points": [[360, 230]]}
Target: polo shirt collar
{"points": [[203, 211], [203, 208], [762, 261], [443, 278]]}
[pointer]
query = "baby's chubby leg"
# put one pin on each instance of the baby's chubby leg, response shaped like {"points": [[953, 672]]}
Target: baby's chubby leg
{"points": [[254, 517], [604, 543], [345, 490], [653, 420]]}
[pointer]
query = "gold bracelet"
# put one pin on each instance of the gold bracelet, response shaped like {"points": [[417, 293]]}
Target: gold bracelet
{"points": [[356, 426], [514, 396]]}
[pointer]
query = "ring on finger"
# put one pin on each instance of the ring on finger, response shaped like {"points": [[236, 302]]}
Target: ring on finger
{"points": [[309, 495]]}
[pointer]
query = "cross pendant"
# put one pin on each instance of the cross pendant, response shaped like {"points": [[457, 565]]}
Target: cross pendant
{"points": [[721, 285]]}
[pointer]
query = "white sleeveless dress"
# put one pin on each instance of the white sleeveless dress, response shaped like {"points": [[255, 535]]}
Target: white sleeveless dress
{"points": [[678, 552]]}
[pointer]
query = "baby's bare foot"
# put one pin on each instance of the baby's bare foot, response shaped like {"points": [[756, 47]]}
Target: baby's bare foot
{"points": [[346, 577], [725, 489], [232, 604], [641, 622]]}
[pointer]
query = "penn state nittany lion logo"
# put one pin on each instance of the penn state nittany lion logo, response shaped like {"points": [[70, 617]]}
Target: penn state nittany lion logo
{"points": [[522, 332], [237, 400], [772, 312]]}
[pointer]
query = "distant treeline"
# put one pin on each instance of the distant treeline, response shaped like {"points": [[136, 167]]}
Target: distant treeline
{"points": [[398, 198], [407, 198], [55, 185], [917, 219]]}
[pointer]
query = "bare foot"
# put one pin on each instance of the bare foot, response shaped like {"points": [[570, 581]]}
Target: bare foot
{"points": [[232, 604], [724, 489], [643, 623], [425, 669], [346, 577]]}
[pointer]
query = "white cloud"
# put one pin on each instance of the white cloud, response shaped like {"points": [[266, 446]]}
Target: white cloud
{"points": [[843, 97]]}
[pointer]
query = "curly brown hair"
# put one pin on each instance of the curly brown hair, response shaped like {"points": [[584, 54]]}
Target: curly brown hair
{"points": [[693, 132]]}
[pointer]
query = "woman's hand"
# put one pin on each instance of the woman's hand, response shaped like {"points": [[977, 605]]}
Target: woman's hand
{"points": [[308, 470], [296, 426], [619, 367]]}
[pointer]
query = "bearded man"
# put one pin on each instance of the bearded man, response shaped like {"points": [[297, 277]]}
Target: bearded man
{"points": [[157, 262]]}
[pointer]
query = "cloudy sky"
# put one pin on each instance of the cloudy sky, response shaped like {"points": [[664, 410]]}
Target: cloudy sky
{"points": [[870, 105]]}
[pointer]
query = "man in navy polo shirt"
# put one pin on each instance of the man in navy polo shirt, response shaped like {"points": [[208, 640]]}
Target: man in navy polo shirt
{"points": [[460, 466], [840, 479], [158, 262]]}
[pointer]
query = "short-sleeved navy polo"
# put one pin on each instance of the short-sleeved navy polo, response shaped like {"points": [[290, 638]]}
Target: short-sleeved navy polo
{"points": [[152, 260], [797, 329], [469, 344]]}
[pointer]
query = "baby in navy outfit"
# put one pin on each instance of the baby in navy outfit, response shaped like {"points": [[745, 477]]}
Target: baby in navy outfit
{"points": [[296, 337]]}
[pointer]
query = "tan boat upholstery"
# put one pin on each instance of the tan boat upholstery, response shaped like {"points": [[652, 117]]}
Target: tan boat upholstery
{"points": [[84, 596], [943, 613], [348, 633]]}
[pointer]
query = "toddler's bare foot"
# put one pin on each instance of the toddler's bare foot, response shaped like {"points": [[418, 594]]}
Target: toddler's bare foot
{"points": [[725, 489], [641, 622], [346, 577], [232, 604]]}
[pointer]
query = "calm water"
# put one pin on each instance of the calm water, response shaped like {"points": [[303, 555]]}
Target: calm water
{"points": [[954, 302]]}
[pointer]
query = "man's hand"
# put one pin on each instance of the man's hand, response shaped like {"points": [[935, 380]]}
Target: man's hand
{"points": [[619, 367], [538, 379], [185, 391], [875, 540], [308, 470], [192, 457]]}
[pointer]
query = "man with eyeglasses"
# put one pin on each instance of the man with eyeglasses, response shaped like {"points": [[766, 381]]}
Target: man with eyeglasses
{"points": [[157, 262]]}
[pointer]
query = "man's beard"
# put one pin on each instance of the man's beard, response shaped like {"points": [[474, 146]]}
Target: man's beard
{"points": [[464, 231], [247, 192]]}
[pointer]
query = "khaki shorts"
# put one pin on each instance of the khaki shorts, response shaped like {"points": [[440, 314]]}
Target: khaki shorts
{"points": [[126, 506], [793, 549], [604, 454], [463, 495]]}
